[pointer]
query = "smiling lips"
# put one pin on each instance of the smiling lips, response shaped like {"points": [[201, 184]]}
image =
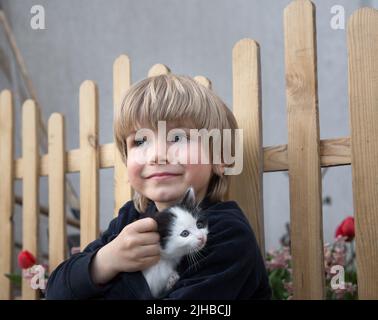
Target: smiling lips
{"points": [[163, 175]]}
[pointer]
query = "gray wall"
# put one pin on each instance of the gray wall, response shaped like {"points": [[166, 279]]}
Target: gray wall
{"points": [[82, 39]]}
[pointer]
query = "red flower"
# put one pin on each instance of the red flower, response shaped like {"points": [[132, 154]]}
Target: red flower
{"points": [[26, 259], [346, 229]]}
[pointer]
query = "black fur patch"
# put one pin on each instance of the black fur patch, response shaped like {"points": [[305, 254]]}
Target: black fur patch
{"points": [[166, 217], [165, 221]]}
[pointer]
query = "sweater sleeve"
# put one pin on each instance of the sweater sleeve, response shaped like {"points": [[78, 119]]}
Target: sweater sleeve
{"points": [[232, 266], [72, 278]]}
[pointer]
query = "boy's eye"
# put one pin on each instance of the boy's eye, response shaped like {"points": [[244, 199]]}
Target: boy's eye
{"points": [[176, 138], [139, 142], [200, 225], [179, 138], [184, 234]]}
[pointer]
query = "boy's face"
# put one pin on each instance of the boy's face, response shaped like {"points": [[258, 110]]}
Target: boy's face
{"points": [[145, 150]]}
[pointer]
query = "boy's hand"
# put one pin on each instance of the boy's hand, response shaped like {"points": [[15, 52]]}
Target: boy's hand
{"points": [[135, 248]]}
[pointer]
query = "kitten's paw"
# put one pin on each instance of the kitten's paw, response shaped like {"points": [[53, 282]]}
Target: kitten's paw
{"points": [[174, 276]]}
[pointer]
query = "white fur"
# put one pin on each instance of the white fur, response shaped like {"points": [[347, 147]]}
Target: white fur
{"points": [[162, 276]]}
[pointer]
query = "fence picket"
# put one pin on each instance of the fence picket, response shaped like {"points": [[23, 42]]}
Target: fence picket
{"points": [[304, 151], [6, 191], [89, 166], [247, 188], [57, 190], [30, 188], [121, 83], [363, 103]]}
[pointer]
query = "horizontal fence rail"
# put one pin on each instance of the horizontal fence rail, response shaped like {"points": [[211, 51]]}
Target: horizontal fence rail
{"points": [[333, 152]]}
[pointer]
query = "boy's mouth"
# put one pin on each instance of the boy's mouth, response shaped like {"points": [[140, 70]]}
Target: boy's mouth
{"points": [[162, 175]]}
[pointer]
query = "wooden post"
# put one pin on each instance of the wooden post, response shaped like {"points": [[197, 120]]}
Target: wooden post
{"points": [[158, 69], [304, 151], [30, 208], [57, 191], [247, 188], [204, 81], [121, 83], [363, 103], [6, 191], [89, 165]]}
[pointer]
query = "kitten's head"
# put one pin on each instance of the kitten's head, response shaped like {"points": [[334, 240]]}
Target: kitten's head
{"points": [[182, 227]]}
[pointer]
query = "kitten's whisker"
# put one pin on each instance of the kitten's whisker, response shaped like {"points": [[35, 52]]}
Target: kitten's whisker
{"points": [[190, 255], [195, 256], [194, 262], [200, 255]]}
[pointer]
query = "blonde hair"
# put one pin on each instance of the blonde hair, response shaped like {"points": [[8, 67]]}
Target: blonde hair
{"points": [[173, 98]]}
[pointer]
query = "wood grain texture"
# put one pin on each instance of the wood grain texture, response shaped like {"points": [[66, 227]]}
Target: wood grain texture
{"points": [[57, 191], [6, 191], [89, 164], [121, 83], [247, 188], [304, 151], [363, 103], [30, 188]]}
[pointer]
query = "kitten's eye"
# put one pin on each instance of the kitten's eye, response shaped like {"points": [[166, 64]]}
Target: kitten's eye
{"points": [[184, 234], [200, 225]]}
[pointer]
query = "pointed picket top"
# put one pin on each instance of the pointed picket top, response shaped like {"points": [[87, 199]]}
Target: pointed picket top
{"points": [[298, 4], [245, 43], [158, 69], [362, 13], [122, 59], [203, 80]]}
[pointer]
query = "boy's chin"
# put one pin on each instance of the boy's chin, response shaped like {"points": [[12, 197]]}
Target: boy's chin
{"points": [[170, 195]]}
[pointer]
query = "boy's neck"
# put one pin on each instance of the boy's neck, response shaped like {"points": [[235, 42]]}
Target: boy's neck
{"points": [[160, 206]]}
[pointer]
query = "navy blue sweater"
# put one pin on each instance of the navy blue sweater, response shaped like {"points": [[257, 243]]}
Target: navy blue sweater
{"points": [[231, 268]]}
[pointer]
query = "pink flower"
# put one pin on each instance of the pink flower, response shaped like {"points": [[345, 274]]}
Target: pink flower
{"points": [[279, 259]]}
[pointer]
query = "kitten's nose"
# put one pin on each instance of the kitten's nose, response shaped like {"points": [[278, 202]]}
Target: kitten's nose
{"points": [[202, 239]]}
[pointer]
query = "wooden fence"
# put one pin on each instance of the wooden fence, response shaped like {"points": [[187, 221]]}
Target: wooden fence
{"points": [[302, 157]]}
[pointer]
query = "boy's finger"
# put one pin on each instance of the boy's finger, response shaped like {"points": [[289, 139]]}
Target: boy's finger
{"points": [[148, 238], [152, 250], [145, 225], [149, 261]]}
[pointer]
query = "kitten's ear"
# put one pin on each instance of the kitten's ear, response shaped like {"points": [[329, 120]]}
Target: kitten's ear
{"points": [[189, 199], [150, 212]]}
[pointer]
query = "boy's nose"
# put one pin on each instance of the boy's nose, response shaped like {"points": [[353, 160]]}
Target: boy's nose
{"points": [[157, 153]]}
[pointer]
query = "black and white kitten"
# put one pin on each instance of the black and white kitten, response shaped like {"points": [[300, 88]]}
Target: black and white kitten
{"points": [[183, 231]]}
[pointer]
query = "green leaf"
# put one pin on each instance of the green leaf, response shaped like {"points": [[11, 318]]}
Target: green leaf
{"points": [[276, 282], [14, 278]]}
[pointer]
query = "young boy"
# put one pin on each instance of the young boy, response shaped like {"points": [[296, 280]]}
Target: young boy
{"points": [[110, 267]]}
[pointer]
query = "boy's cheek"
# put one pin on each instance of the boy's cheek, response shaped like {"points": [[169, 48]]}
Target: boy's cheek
{"points": [[133, 169], [137, 157]]}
